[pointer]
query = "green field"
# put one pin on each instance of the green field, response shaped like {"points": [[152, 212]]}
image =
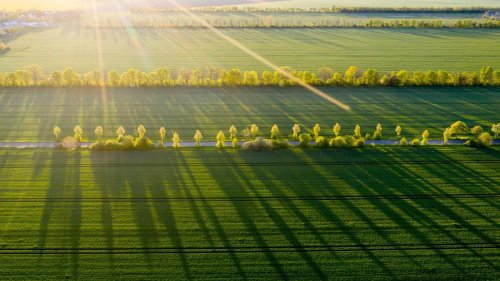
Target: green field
{"points": [[30, 114], [303, 49], [378, 214]]}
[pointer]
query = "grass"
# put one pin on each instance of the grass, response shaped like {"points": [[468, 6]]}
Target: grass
{"points": [[378, 213], [304, 49], [31, 114]]}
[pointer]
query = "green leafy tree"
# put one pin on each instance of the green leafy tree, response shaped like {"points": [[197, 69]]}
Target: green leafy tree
{"points": [[141, 131], [477, 130], [304, 140], [235, 143], [351, 75], [57, 133], [425, 137], [446, 136], [486, 76], [197, 138], [496, 129], [485, 139], [316, 130], [357, 131], [275, 132], [120, 132], [99, 131], [254, 130], [337, 128], [163, 133], [233, 131], [78, 133], [459, 128], [296, 131], [220, 140], [176, 140], [398, 131]]}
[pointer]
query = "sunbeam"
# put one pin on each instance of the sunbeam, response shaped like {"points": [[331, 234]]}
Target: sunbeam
{"points": [[260, 58]]}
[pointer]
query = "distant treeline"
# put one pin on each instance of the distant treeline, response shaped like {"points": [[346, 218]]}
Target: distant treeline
{"points": [[33, 76], [261, 22], [334, 9]]}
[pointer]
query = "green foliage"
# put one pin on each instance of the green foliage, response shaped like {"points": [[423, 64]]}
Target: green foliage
{"points": [[304, 140], [338, 142], [477, 130], [415, 142], [321, 142], [143, 143], [235, 143], [403, 142], [459, 128], [275, 132], [220, 140], [296, 131]]}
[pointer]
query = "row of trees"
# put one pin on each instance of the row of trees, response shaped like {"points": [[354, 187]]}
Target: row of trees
{"points": [[476, 136], [34, 76], [333, 9], [297, 22]]}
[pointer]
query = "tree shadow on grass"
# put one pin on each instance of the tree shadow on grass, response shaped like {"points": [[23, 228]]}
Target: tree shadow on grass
{"points": [[243, 210], [64, 185], [219, 229]]}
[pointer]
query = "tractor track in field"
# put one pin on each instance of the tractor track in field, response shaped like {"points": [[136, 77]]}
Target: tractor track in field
{"points": [[262, 198], [248, 249]]}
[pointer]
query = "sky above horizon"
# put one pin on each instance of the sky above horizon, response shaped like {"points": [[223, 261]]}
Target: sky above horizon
{"points": [[11, 5]]}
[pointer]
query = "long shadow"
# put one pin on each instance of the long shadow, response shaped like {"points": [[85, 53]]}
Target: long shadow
{"points": [[242, 209], [141, 210], [156, 188], [76, 211], [212, 216]]}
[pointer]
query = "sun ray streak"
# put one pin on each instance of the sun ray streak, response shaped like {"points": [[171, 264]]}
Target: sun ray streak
{"points": [[100, 57], [260, 58]]}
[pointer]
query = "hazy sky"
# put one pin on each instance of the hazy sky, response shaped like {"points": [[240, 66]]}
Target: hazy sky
{"points": [[71, 4]]}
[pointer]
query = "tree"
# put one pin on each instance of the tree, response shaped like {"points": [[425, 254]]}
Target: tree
{"points": [[99, 131], [398, 131], [254, 130], [324, 74], [377, 135], [197, 138], [234, 77], [267, 78], [403, 77], [486, 76], [113, 78], [220, 140], [235, 143], [477, 130], [70, 143], [275, 132], [459, 128], [176, 140], [233, 131], [316, 130], [336, 129], [251, 78], [304, 140], [351, 75], [57, 133], [141, 131], [425, 137], [357, 131], [496, 129], [78, 133], [35, 73], [163, 133], [120, 132], [485, 139], [296, 131], [370, 77], [446, 135]]}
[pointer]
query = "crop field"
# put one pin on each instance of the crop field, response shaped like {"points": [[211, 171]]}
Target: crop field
{"points": [[304, 49], [30, 114], [378, 213]]}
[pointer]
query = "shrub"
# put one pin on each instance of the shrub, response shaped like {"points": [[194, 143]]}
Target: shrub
{"points": [[477, 130], [69, 143], [360, 143], [485, 139], [338, 142], [258, 144], [128, 143], [304, 140], [350, 142], [220, 140], [403, 142], [377, 135], [321, 142], [235, 143], [98, 146], [143, 143], [368, 136], [415, 142], [281, 144]]}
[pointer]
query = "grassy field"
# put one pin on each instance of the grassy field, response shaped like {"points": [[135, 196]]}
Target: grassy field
{"points": [[30, 114], [304, 49], [378, 213]]}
